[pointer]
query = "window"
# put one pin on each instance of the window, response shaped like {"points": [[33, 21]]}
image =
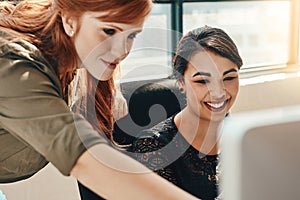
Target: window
{"points": [[151, 52], [261, 30]]}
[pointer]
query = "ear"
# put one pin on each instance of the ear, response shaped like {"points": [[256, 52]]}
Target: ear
{"points": [[69, 24], [181, 85]]}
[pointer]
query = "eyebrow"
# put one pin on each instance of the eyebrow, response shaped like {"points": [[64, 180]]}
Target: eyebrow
{"points": [[116, 27], [209, 75], [138, 30], [202, 74], [229, 71], [108, 23]]}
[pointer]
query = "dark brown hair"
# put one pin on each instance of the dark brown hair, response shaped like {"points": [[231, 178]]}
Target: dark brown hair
{"points": [[204, 38]]}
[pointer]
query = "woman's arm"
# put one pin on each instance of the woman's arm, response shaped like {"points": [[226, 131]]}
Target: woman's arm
{"points": [[114, 175]]}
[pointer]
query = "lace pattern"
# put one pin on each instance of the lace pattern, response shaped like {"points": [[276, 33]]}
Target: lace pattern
{"points": [[191, 170]]}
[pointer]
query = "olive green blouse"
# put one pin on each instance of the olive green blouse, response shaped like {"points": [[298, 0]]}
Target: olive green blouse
{"points": [[36, 125]]}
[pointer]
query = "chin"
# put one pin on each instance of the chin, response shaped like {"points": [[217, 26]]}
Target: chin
{"points": [[217, 119], [101, 75], [105, 77]]}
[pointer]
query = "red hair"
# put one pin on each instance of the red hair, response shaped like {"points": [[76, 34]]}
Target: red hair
{"points": [[39, 22]]}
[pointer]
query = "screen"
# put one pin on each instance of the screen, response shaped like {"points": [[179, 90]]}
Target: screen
{"points": [[260, 157]]}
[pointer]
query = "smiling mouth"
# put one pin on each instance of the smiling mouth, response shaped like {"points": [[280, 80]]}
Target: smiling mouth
{"points": [[216, 106]]}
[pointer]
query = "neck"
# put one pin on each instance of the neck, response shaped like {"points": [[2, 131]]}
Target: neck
{"points": [[200, 133]]}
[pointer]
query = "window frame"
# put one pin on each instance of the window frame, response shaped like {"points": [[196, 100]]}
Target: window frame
{"points": [[292, 64]]}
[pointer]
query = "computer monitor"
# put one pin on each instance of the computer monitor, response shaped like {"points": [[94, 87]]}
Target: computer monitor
{"points": [[260, 157]]}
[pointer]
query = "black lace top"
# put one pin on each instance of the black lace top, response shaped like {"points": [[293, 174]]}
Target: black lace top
{"points": [[164, 150]]}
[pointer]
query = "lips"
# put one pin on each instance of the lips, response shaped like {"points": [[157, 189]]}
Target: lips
{"points": [[216, 106], [110, 65]]}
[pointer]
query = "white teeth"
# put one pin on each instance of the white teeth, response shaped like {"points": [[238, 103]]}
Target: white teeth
{"points": [[216, 105]]}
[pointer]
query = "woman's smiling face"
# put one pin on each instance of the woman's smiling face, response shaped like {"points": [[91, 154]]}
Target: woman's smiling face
{"points": [[102, 45], [211, 85]]}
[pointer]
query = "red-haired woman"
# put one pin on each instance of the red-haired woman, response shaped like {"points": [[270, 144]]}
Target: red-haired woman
{"points": [[42, 43]]}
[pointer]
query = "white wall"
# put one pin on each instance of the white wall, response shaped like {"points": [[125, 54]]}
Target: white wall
{"points": [[269, 94], [48, 184]]}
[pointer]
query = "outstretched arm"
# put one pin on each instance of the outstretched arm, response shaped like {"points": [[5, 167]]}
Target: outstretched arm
{"points": [[34, 115], [114, 175]]}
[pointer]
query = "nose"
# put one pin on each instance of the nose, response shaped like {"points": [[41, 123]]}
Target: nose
{"points": [[217, 91], [120, 47]]}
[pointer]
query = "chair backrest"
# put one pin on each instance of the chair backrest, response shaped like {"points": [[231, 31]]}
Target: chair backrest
{"points": [[149, 102]]}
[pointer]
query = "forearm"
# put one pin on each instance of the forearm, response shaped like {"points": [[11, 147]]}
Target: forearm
{"points": [[114, 175]]}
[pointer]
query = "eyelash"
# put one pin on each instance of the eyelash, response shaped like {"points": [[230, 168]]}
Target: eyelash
{"points": [[109, 31], [205, 81], [230, 78], [132, 36], [202, 81]]}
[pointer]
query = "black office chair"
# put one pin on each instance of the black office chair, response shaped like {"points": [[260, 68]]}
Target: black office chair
{"points": [[149, 102]]}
